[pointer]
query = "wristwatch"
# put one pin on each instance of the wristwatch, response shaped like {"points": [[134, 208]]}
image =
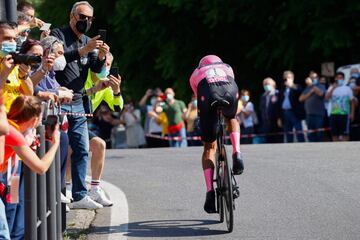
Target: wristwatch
{"points": [[117, 94]]}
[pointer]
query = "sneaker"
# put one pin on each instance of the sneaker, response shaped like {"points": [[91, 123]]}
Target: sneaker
{"points": [[98, 195], [65, 199], [69, 193], [209, 205], [238, 164], [86, 203], [67, 208]]}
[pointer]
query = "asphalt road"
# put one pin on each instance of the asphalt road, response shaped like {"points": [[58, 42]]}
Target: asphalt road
{"points": [[288, 191]]}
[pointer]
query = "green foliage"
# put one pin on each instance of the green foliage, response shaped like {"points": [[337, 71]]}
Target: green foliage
{"points": [[159, 42]]}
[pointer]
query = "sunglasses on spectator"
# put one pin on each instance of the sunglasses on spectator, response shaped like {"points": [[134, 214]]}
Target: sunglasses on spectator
{"points": [[84, 17]]}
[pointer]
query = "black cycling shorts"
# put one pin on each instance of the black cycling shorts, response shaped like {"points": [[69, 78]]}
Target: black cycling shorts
{"points": [[207, 94]]}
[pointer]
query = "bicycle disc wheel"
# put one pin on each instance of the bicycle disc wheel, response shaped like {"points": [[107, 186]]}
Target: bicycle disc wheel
{"points": [[219, 201], [227, 193]]}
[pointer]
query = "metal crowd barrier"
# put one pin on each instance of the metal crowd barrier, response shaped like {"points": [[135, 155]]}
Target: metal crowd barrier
{"points": [[45, 216]]}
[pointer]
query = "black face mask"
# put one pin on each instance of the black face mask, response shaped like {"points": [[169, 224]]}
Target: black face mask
{"points": [[82, 26]]}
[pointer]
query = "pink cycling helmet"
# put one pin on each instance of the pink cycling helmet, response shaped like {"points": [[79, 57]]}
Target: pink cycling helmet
{"points": [[209, 59]]}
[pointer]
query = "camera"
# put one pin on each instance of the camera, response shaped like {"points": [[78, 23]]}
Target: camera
{"points": [[25, 59]]}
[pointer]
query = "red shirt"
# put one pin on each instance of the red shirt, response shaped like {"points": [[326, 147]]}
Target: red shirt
{"points": [[13, 139]]}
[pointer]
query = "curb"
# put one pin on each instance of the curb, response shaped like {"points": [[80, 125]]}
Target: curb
{"points": [[106, 223]]}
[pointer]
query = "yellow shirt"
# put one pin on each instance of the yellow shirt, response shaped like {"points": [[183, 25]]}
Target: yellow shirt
{"points": [[106, 94], [12, 88], [164, 122]]}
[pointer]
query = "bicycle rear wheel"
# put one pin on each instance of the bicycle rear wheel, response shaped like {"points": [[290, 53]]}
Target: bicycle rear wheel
{"points": [[227, 192]]}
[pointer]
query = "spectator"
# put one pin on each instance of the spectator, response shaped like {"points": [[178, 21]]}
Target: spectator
{"points": [[29, 10], [191, 117], [4, 228], [23, 115], [46, 86], [161, 119], [130, 117], [17, 81], [270, 112], [342, 108], [80, 56], [112, 97], [22, 20], [313, 98], [246, 116], [44, 78], [355, 86], [175, 110], [314, 77], [151, 124], [292, 108]]}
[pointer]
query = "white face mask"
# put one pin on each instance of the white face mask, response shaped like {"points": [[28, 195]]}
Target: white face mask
{"points": [[59, 63]]}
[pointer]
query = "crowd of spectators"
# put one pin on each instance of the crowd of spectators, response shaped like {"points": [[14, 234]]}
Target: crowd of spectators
{"points": [[71, 70], [319, 109]]}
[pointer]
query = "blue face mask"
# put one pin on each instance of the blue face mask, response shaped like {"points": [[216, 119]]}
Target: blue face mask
{"points": [[340, 82], [245, 98], [355, 75], [195, 103], [315, 81], [8, 47], [268, 88], [104, 73], [169, 96]]}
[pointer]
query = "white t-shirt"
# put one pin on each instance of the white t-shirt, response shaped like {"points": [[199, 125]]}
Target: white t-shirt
{"points": [[247, 121], [340, 100]]}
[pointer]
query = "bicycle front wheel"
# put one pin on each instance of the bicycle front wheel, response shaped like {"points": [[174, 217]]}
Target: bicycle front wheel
{"points": [[219, 198], [227, 193]]}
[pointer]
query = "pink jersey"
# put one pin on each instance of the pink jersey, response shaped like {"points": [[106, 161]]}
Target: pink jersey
{"points": [[218, 72]]}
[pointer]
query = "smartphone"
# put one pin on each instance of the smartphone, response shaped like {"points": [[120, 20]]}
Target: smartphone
{"points": [[114, 71], [45, 27], [102, 33], [50, 124]]}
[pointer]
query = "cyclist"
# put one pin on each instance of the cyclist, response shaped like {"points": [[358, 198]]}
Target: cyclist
{"points": [[214, 80]]}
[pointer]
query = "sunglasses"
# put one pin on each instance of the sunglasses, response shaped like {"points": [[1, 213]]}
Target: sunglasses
{"points": [[84, 17]]}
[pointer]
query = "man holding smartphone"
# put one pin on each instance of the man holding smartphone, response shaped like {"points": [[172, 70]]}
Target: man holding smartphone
{"points": [[81, 53]]}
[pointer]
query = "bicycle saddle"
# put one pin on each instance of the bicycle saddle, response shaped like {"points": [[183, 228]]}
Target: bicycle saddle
{"points": [[219, 103]]}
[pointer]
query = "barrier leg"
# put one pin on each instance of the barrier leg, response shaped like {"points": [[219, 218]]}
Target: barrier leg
{"points": [[51, 199], [41, 190]]}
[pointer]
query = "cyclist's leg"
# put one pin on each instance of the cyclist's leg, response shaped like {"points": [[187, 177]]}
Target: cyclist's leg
{"points": [[208, 125], [234, 126], [208, 164]]}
